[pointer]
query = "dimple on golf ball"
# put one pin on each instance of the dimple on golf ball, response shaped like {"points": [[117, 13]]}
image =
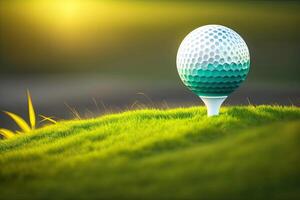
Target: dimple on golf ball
{"points": [[213, 60]]}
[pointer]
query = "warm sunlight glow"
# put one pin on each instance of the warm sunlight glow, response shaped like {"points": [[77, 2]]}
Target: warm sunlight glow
{"points": [[65, 13], [68, 9]]}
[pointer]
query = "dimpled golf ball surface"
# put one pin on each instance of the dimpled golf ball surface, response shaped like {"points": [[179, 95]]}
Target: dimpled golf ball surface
{"points": [[213, 60]]}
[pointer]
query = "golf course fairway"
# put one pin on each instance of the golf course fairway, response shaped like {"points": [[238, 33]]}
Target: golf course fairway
{"points": [[247, 152]]}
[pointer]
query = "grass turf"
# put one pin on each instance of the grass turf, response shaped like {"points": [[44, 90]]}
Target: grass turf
{"points": [[245, 153]]}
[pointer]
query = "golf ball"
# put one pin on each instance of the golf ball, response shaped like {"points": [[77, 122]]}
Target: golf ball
{"points": [[213, 60]]}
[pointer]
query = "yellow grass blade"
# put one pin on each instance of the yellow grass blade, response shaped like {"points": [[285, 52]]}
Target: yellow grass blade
{"points": [[6, 133], [31, 111], [47, 119], [21, 123]]}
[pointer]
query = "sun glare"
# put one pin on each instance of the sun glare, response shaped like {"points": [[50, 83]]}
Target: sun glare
{"points": [[74, 24], [65, 12], [66, 21], [68, 10]]}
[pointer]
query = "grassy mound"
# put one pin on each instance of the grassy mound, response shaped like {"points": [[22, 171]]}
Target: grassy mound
{"points": [[245, 153]]}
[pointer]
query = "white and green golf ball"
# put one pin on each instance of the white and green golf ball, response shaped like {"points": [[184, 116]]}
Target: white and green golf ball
{"points": [[213, 60]]}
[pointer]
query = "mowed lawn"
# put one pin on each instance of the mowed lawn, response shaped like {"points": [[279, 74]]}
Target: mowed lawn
{"points": [[245, 153]]}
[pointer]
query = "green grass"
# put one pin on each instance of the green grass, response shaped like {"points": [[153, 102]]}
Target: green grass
{"points": [[245, 153]]}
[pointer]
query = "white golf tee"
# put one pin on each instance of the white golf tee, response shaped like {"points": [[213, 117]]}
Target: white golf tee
{"points": [[213, 104]]}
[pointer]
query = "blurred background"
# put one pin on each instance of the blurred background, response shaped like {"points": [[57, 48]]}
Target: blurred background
{"points": [[109, 56]]}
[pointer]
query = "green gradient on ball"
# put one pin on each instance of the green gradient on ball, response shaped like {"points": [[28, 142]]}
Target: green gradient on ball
{"points": [[217, 80]]}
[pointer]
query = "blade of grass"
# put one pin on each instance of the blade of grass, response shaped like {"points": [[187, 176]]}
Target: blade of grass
{"points": [[97, 106], [6, 133], [19, 121], [47, 119], [73, 111], [148, 98], [31, 112]]}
